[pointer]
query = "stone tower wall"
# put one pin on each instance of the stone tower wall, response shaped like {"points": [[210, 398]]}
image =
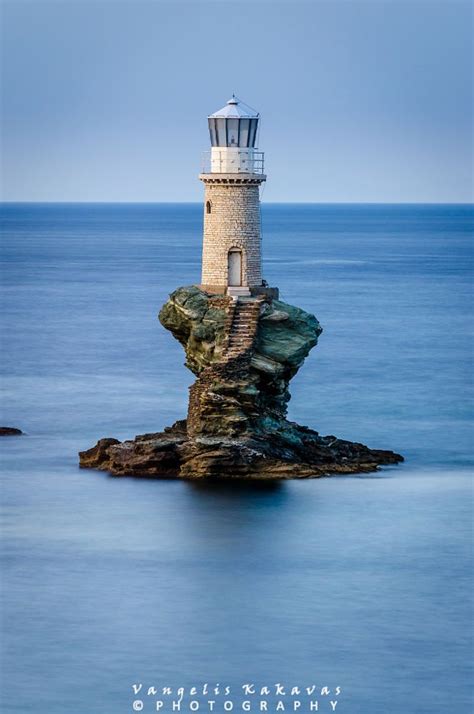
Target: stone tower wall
{"points": [[234, 222]]}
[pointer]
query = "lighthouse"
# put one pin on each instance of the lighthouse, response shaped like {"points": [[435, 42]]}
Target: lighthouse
{"points": [[232, 253]]}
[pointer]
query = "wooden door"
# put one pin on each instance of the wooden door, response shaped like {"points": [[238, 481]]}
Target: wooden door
{"points": [[235, 267]]}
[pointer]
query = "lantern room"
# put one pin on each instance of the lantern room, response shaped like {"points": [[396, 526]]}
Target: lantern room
{"points": [[235, 125], [234, 131]]}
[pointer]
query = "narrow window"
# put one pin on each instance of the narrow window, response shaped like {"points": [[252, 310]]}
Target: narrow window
{"points": [[208, 206]]}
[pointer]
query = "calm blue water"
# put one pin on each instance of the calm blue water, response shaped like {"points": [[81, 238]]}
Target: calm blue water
{"points": [[362, 582]]}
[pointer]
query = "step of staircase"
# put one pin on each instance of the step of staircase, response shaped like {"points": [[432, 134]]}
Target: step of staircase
{"points": [[239, 291]]}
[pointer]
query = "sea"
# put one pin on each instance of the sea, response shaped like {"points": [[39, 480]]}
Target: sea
{"points": [[123, 594]]}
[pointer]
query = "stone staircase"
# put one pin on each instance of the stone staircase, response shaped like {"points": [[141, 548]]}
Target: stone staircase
{"points": [[205, 404], [243, 328]]}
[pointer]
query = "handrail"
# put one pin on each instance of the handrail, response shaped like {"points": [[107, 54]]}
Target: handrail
{"points": [[227, 164]]}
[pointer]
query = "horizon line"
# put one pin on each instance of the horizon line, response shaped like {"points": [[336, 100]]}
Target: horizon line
{"points": [[267, 203]]}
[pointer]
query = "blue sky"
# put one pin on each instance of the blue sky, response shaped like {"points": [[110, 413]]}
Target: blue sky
{"points": [[107, 100]]}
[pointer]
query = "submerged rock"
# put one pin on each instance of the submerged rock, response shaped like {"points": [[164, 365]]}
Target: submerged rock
{"points": [[244, 355]]}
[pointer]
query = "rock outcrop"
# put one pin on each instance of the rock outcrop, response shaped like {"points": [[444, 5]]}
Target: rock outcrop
{"points": [[244, 354], [10, 431]]}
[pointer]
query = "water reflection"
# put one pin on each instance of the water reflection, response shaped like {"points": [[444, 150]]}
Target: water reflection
{"points": [[237, 488]]}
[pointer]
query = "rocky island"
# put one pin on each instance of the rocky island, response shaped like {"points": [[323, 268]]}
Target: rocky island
{"points": [[242, 343], [244, 353]]}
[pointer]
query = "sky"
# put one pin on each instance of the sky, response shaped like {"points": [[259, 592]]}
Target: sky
{"points": [[106, 100]]}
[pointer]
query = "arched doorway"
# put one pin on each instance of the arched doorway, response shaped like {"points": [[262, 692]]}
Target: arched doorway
{"points": [[235, 267]]}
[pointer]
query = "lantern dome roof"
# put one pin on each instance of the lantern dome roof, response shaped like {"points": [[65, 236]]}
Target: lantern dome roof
{"points": [[235, 109]]}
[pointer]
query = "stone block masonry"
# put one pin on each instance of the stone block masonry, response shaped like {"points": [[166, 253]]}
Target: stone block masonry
{"points": [[231, 221]]}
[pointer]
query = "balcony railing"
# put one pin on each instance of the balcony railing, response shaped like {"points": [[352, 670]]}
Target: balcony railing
{"points": [[224, 163]]}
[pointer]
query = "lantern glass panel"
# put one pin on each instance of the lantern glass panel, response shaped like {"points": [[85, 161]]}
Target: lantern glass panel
{"points": [[253, 131], [244, 132], [221, 132], [232, 132], [213, 132]]}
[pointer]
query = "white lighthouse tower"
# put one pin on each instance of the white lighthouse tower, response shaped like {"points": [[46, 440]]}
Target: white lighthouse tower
{"points": [[232, 256]]}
